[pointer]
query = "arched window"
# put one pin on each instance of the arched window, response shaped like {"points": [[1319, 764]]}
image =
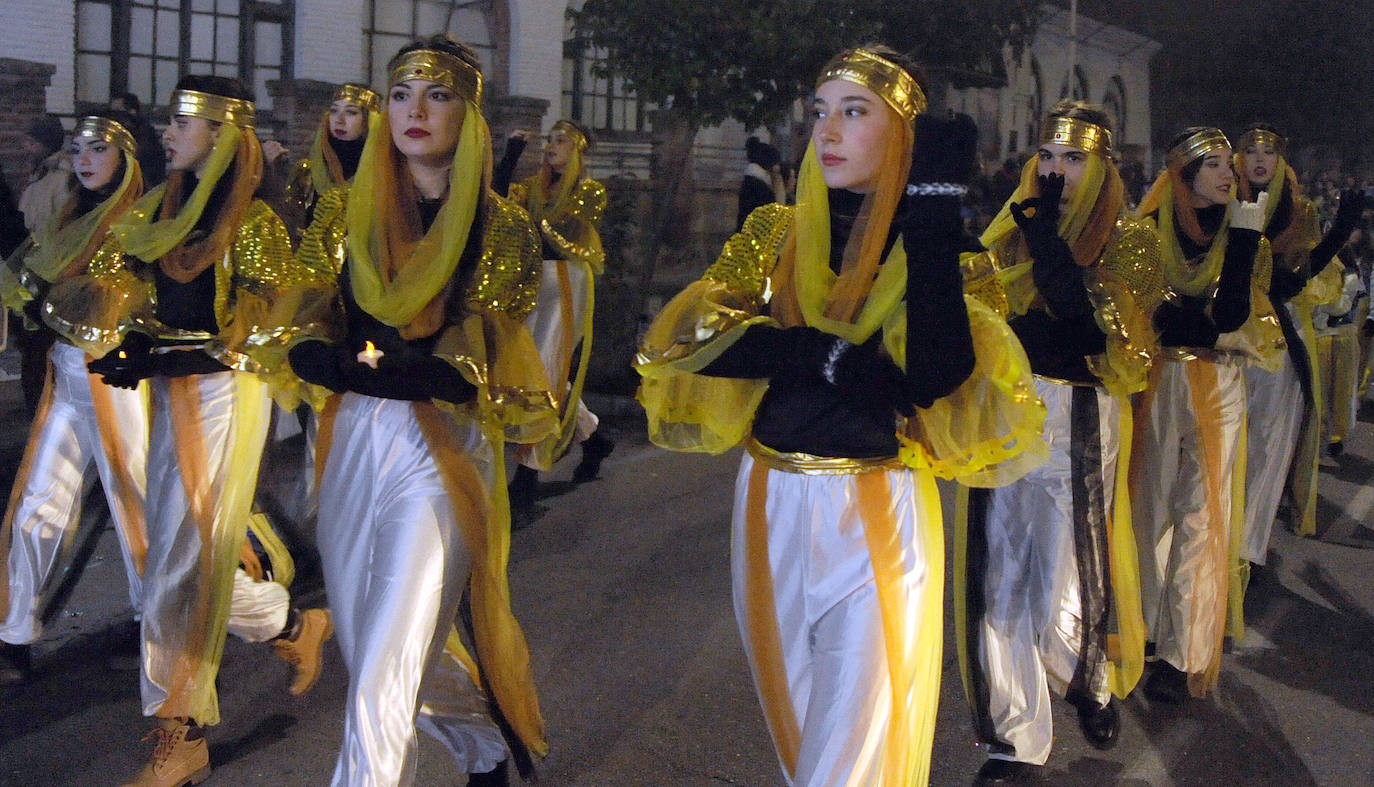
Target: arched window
{"points": [[1114, 102], [600, 102]]}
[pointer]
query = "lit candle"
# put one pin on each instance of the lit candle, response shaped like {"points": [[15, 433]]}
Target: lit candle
{"points": [[369, 355]]}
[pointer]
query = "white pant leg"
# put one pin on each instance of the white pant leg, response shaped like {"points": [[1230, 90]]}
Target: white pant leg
{"points": [[1273, 416], [828, 616], [258, 609], [395, 568], [190, 569], [549, 329]]}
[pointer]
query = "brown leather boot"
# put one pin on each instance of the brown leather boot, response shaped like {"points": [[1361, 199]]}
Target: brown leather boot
{"points": [[303, 651], [180, 757]]}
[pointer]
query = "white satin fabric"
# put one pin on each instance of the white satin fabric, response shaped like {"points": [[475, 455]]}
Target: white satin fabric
{"points": [[828, 616], [258, 610], [547, 326], [1175, 518], [395, 567], [48, 511], [1032, 629], [176, 552], [1273, 417]]}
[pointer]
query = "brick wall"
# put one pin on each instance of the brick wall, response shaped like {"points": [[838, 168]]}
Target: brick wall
{"points": [[23, 84]]}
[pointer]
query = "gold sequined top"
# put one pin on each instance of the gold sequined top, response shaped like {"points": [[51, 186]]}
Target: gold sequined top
{"points": [[507, 276], [572, 232]]}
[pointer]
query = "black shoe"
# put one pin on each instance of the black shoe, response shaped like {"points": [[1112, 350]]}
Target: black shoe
{"points": [[16, 664], [496, 777], [523, 487], [1167, 684], [594, 449], [1336, 448], [1006, 772], [1100, 723]]}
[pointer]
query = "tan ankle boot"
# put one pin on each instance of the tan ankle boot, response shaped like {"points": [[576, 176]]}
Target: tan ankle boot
{"points": [[303, 652], [176, 761]]}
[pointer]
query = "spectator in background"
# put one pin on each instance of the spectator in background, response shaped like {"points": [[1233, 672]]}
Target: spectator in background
{"points": [[48, 187], [152, 159], [762, 182]]}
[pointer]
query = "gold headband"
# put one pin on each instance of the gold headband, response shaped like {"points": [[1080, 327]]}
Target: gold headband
{"points": [[1196, 145], [1262, 136], [432, 65], [111, 131], [1077, 133], [359, 96], [574, 133], [880, 75], [212, 107]]}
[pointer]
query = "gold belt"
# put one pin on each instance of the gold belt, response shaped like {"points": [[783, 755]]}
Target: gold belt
{"points": [[810, 464]]}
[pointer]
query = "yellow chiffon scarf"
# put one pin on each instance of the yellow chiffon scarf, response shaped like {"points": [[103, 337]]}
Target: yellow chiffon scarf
{"points": [[325, 170], [540, 205], [395, 278], [65, 246], [1087, 223], [1179, 274]]}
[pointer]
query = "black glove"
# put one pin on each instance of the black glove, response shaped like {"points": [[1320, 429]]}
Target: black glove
{"points": [[1057, 276], [1284, 284], [944, 150], [859, 370], [1231, 306], [182, 363], [410, 376], [1348, 212], [1185, 324], [127, 364], [320, 362]]}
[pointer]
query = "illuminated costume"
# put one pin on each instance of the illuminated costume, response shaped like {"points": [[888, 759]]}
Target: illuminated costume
{"points": [[566, 208], [331, 161], [206, 330], [837, 553], [1050, 563], [72, 276], [413, 512], [1338, 354], [1285, 428], [1186, 496]]}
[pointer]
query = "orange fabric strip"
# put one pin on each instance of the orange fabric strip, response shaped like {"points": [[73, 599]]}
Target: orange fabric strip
{"points": [[1203, 388], [769, 670], [324, 434], [136, 526]]}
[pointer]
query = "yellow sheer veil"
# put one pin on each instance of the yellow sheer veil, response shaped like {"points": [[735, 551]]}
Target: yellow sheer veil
{"points": [[540, 204]]}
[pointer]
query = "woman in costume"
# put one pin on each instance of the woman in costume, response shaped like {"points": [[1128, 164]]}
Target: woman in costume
{"points": [[1336, 325], [334, 152], [566, 205], [1285, 433], [434, 369], [794, 343], [1050, 559], [1185, 490], [204, 329], [80, 420]]}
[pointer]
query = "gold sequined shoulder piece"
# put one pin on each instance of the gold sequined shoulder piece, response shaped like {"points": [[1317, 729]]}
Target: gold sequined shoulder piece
{"points": [[750, 254], [589, 201], [262, 250], [507, 276], [1133, 256], [979, 271], [108, 259], [323, 250]]}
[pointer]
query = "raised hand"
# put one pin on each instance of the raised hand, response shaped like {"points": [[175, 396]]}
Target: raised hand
{"points": [[1249, 215]]}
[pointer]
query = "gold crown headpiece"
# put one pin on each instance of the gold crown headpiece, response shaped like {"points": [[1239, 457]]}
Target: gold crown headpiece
{"points": [[431, 65], [884, 77], [1196, 145], [212, 107], [364, 97], [1077, 133], [112, 131], [574, 133], [1263, 136]]}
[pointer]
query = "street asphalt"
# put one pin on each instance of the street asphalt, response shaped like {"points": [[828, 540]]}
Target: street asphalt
{"points": [[623, 588]]}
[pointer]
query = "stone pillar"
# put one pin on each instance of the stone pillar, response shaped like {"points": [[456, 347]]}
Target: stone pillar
{"points": [[297, 105], [507, 113], [24, 84]]}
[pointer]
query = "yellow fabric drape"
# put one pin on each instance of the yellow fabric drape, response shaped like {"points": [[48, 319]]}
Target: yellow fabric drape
{"points": [[58, 245]]}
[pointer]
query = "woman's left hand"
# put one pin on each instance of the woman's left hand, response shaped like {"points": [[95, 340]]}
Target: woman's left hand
{"points": [[1249, 215]]}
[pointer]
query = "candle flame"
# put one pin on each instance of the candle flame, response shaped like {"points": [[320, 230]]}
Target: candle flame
{"points": [[370, 349]]}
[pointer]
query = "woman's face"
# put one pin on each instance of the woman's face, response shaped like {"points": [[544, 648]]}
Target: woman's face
{"points": [[1215, 181], [94, 161], [189, 141], [850, 134], [1261, 159], [426, 119], [1072, 163], [558, 151], [347, 121]]}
